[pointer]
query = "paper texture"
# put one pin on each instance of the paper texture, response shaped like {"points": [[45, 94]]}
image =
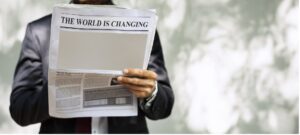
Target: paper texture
{"points": [[89, 48]]}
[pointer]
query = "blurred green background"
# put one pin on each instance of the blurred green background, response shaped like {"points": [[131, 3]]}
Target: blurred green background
{"points": [[233, 64]]}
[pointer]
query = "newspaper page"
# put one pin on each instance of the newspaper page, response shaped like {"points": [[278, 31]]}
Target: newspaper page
{"points": [[89, 47]]}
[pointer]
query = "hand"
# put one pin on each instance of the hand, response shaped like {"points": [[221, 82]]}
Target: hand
{"points": [[140, 82]]}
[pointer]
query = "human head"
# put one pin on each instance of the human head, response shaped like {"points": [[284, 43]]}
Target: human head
{"points": [[93, 2]]}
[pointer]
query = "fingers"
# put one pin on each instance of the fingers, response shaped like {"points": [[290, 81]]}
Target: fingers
{"points": [[140, 73], [139, 91], [136, 81], [139, 94]]}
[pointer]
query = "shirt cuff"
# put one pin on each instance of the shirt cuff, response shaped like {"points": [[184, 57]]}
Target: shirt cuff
{"points": [[146, 103]]}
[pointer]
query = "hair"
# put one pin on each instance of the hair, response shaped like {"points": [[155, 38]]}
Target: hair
{"points": [[77, 2]]}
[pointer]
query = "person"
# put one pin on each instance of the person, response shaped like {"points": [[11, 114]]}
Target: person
{"points": [[29, 97]]}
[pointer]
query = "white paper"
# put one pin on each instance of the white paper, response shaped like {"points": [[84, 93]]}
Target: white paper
{"points": [[89, 48]]}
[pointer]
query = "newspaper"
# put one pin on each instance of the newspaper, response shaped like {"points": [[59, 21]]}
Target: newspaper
{"points": [[89, 47]]}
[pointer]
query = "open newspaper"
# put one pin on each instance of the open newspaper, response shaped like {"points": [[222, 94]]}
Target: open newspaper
{"points": [[89, 47]]}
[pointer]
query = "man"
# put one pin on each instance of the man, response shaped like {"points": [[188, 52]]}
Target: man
{"points": [[29, 97]]}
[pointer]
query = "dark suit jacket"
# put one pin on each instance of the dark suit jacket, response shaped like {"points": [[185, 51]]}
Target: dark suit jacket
{"points": [[29, 97]]}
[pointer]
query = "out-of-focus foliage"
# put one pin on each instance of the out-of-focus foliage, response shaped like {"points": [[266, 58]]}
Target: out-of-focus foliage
{"points": [[233, 64]]}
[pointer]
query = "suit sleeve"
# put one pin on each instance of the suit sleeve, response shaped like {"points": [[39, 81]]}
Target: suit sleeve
{"points": [[29, 98], [162, 105]]}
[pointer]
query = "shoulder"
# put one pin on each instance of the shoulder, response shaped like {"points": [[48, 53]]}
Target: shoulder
{"points": [[41, 22], [38, 32], [41, 25]]}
